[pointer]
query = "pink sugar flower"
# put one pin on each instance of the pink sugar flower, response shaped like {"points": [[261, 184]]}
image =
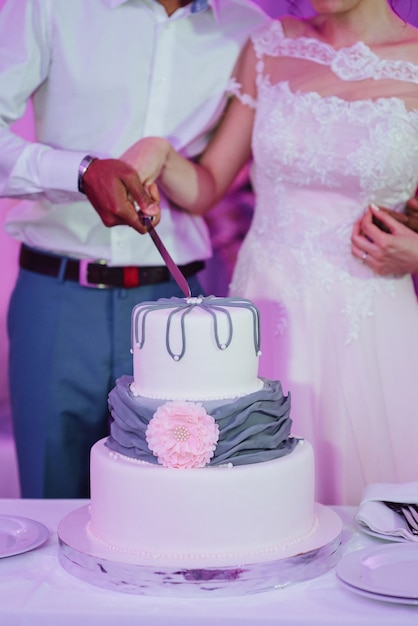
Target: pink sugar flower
{"points": [[182, 435]]}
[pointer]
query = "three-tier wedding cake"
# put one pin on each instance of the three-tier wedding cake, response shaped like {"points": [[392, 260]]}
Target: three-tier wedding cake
{"points": [[200, 472]]}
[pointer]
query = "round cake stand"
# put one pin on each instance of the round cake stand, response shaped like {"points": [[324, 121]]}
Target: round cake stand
{"points": [[97, 565]]}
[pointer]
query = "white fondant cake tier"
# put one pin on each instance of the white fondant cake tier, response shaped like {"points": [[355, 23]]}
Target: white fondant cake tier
{"points": [[195, 348], [202, 517]]}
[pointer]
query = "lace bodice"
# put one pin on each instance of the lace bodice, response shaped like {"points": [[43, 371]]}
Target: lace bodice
{"points": [[321, 156]]}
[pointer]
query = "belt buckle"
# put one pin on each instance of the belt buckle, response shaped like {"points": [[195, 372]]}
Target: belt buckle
{"points": [[83, 272]]}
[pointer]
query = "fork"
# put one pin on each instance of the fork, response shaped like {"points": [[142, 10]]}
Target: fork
{"points": [[408, 512], [413, 510]]}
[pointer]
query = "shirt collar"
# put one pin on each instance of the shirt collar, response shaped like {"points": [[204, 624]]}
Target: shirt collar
{"points": [[197, 6]]}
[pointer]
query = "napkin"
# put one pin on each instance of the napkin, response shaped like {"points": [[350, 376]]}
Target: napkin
{"points": [[378, 517]]}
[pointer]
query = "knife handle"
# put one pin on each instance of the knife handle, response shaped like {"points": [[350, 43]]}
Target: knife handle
{"points": [[145, 219]]}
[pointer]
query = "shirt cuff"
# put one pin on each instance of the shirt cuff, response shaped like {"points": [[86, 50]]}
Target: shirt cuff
{"points": [[59, 170]]}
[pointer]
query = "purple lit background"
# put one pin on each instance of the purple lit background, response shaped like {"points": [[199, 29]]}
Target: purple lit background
{"points": [[8, 262]]}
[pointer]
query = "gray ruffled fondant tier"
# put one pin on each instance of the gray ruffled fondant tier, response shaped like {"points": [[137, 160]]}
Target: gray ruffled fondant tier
{"points": [[252, 428]]}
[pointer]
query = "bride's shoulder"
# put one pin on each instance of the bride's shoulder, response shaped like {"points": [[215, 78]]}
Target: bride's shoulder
{"points": [[293, 26], [410, 42], [280, 29], [403, 47]]}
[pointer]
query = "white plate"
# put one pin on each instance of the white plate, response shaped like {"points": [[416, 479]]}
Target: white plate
{"points": [[380, 597], [20, 534], [368, 531], [386, 570]]}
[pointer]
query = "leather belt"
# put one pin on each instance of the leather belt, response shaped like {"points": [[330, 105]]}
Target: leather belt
{"points": [[93, 273]]}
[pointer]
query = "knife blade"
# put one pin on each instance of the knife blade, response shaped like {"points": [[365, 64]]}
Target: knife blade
{"points": [[172, 267]]}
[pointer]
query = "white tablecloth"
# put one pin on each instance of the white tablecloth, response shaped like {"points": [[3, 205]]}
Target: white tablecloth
{"points": [[36, 591]]}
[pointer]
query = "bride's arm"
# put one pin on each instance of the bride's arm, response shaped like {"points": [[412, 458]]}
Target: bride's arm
{"points": [[196, 187]]}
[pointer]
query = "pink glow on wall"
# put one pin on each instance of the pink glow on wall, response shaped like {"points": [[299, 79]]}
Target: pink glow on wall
{"points": [[9, 248]]}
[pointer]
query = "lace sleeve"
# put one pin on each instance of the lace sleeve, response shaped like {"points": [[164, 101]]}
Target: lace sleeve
{"points": [[234, 88], [263, 40], [260, 39]]}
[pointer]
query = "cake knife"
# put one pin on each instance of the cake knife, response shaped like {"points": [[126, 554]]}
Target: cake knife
{"points": [[172, 267]]}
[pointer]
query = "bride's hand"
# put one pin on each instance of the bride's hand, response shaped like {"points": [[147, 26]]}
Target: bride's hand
{"points": [[393, 251], [148, 157]]}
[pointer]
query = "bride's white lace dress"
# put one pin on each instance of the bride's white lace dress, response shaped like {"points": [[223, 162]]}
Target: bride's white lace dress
{"points": [[334, 130]]}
